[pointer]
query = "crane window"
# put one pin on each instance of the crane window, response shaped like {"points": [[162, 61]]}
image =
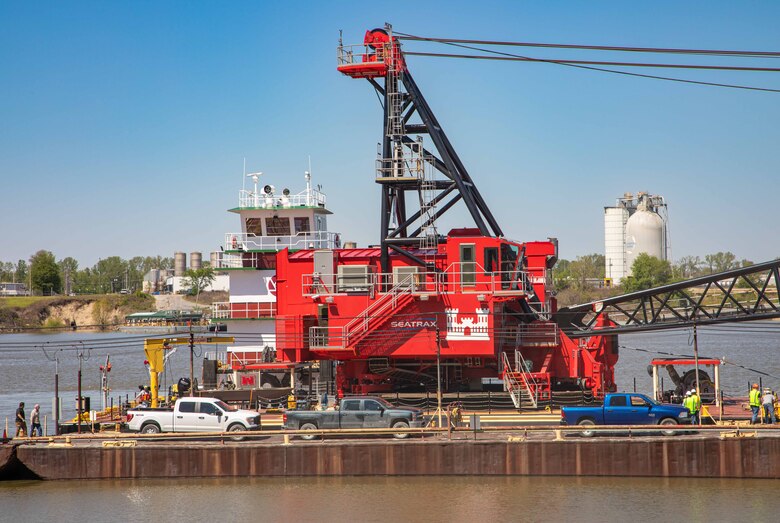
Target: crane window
{"points": [[468, 265], [491, 260]]}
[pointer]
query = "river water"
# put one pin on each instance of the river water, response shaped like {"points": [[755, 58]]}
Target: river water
{"points": [[451, 499]]}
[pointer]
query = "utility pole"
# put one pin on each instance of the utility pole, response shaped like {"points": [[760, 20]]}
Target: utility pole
{"points": [[56, 395], [192, 359], [438, 373], [80, 399], [696, 358]]}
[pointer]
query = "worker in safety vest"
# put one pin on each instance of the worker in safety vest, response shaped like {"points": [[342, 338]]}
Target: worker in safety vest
{"points": [[687, 401], [755, 403], [695, 407]]}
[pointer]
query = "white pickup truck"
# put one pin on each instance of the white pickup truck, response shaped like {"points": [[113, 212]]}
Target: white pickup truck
{"points": [[193, 415]]}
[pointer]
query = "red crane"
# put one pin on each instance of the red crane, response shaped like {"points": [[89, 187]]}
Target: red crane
{"points": [[478, 302]]}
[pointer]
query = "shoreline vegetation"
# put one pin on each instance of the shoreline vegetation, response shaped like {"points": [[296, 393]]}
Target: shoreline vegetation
{"points": [[90, 312]]}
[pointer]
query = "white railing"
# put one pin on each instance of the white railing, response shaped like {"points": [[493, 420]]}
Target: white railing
{"points": [[307, 198], [361, 54], [451, 281], [322, 284], [225, 310], [541, 334], [237, 260], [303, 240]]}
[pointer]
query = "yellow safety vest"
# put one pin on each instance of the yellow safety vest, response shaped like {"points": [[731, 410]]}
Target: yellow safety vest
{"points": [[755, 398], [695, 403], [687, 404]]}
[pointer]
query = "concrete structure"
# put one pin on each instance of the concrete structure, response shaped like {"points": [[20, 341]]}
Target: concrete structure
{"points": [[196, 260], [179, 263], [636, 224]]}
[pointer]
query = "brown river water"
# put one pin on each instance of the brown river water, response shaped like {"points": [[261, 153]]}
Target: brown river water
{"points": [[397, 499]]}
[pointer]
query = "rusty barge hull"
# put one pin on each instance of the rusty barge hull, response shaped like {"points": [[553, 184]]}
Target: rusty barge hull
{"points": [[728, 458]]}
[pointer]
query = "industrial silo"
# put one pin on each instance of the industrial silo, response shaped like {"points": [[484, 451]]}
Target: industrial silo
{"points": [[179, 263], [214, 259], [636, 224], [645, 233], [196, 260]]}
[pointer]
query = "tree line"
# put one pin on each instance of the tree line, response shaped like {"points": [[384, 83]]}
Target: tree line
{"points": [[44, 274], [589, 271]]}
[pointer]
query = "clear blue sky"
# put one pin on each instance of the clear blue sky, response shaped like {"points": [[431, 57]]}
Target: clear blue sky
{"points": [[123, 126]]}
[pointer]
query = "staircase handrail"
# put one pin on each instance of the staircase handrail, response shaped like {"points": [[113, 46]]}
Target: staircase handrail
{"points": [[388, 301]]}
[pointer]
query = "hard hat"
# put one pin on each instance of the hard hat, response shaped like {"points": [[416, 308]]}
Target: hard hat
{"points": [[755, 385], [688, 393]]}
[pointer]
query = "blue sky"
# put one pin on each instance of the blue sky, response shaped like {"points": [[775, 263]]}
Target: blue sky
{"points": [[123, 126]]}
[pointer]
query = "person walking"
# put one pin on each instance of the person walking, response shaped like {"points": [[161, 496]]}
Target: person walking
{"points": [[21, 421], [35, 421], [768, 402], [755, 403]]}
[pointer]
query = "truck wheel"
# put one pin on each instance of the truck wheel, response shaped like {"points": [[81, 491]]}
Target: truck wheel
{"points": [[308, 426], [398, 425], [587, 423], [668, 421], [150, 428], [237, 427]]}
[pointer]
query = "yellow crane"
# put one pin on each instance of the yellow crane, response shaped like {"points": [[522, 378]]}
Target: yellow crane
{"points": [[156, 348]]}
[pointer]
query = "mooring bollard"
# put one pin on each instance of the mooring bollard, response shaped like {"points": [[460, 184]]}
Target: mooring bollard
{"points": [[558, 435], [286, 439]]}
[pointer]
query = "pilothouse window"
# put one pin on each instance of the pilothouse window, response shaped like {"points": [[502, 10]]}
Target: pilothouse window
{"points": [[277, 226], [302, 224], [254, 226]]}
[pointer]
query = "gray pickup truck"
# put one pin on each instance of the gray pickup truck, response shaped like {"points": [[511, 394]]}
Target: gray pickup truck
{"points": [[366, 412]]}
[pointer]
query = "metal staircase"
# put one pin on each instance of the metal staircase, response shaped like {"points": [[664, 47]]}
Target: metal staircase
{"points": [[378, 312], [519, 380]]}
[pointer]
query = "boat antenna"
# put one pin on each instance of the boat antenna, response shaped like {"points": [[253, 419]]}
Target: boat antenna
{"points": [[243, 177]]}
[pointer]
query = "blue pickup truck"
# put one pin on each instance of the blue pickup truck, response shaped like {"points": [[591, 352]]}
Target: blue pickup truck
{"points": [[626, 409]]}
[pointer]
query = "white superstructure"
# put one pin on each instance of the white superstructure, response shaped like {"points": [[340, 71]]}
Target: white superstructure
{"points": [[271, 220], [636, 224]]}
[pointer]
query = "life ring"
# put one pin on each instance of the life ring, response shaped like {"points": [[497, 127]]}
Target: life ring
{"points": [[235, 242]]}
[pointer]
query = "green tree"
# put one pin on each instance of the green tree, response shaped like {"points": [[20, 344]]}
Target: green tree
{"points": [[68, 269], [21, 271], [585, 268], [44, 273], [688, 267], [197, 280], [721, 261], [647, 272]]}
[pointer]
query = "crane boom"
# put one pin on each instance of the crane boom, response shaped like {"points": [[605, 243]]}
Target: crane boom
{"points": [[745, 294]]}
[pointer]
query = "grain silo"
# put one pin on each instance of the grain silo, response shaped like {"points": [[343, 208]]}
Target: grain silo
{"points": [[196, 260], [636, 224], [179, 263]]}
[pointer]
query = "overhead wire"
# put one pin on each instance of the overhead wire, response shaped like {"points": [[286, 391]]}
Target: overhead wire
{"points": [[653, 50], [583, 66]]}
